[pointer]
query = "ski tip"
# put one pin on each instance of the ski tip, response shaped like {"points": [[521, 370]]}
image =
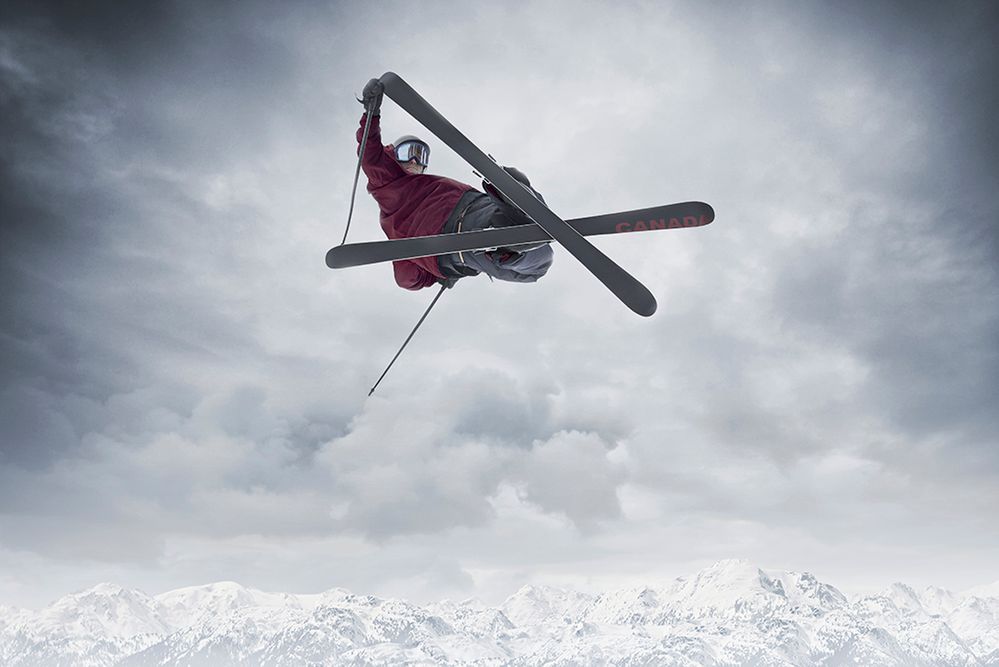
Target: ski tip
{"points": [[331, 258], [389, 76], [640, 301], [707, 212], [648, 308]]}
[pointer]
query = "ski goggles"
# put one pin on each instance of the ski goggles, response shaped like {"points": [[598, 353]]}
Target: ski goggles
{"points": [[413, 150]]}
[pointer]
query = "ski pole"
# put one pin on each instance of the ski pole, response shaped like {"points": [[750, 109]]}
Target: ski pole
{"points": [[426, 312], [357, 172]]}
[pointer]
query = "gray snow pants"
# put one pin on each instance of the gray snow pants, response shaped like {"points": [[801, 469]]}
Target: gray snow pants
{"points": [[477, 210]]}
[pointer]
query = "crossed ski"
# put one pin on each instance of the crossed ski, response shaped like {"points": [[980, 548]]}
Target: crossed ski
{"points": [[549, 226], [633, 293], [669, 216]]}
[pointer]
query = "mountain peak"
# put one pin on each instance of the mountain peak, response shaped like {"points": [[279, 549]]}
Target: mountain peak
{"points": [[104, 591], [102, 611], [724, 582], [730, 570], [181, 606], [904, 597], [732, 564], [938, 601], [537, 601], [105, 588], [986, 591]]}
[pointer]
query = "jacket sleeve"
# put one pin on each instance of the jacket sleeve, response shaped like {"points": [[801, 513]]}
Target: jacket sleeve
{"points": [[378, 166], [411, 275]]}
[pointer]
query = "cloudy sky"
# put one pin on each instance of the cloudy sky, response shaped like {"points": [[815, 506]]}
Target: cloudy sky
{"points": [[184, 381]]}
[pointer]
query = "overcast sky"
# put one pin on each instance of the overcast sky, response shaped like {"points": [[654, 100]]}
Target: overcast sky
{"points": [[184, 381]]}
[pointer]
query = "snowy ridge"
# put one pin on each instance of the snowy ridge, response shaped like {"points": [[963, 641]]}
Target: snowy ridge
{"points": [[732, 613]]}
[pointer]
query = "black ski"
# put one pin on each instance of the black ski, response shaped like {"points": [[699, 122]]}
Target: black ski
{"points": [[670, 216], [633, 293]]}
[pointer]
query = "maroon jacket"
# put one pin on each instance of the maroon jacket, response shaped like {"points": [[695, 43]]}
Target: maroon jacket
{"points": [[410, 204]]}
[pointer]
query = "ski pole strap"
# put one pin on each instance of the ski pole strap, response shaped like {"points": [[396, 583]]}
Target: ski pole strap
{"points": [[425, 313]]}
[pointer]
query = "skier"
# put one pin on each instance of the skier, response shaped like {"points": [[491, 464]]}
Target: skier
{"points": [[412, 203]]}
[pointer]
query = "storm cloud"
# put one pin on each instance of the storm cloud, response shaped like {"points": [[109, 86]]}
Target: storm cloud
{"points": [[184, 382]]}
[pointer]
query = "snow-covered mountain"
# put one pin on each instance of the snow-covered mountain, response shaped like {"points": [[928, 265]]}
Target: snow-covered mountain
{"points": [[732, 613]]}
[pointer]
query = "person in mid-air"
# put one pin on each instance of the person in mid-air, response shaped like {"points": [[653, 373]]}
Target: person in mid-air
{"points": [[413, 203]]}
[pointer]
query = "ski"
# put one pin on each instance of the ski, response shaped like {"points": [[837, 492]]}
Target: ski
{"points": [[669, 216], [629, 290]]}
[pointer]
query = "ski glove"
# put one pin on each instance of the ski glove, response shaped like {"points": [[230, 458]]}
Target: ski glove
{"points": [[371, 97], [519, 176], [447, 282]]}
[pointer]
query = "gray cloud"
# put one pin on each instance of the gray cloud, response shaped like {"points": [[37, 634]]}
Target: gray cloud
{"points": [[183, 380]]}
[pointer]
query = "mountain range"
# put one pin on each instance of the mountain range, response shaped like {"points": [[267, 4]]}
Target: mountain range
{"points": [[732, 613]]}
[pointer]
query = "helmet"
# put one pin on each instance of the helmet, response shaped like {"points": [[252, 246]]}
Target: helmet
{"points": [[408, 147]]}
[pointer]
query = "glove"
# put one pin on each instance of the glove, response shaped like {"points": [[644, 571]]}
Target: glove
{"points": [[518, 176], [371, 97], [447, 282]]}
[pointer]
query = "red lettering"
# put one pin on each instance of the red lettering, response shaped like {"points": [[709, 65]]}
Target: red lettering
{"points": [[662, 223]]}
